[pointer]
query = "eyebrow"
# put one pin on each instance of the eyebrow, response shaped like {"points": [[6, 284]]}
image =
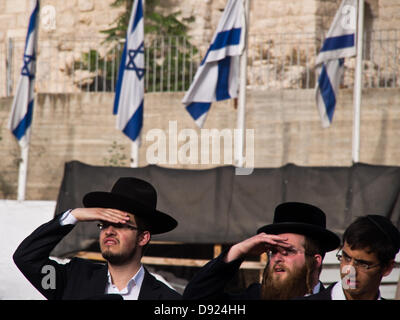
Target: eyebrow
{"points": [[358, 260]]}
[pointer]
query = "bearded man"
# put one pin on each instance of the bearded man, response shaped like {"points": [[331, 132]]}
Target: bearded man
{"points": [[296, 243], [127, 218]]}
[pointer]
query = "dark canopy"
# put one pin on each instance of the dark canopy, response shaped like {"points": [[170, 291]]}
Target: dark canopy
{"points": [[217, 206]]}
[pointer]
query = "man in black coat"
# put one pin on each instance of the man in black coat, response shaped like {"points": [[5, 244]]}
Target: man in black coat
{"points": [[370, 245], [296, 243], [127, 217]]}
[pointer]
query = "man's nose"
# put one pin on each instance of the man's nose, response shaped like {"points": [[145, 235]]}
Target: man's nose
{"points": [[277, 256], [110, 229]]}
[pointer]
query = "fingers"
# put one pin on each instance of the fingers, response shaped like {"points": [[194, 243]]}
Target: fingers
{"points": [[265, 242], [112, 215], [105, 214], [273, 240]]}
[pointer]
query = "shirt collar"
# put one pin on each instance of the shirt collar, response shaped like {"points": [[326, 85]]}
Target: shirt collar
{"points": [[316, 289], [136, 280], [338, 293]]}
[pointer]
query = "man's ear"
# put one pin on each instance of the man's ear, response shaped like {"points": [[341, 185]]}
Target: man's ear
{"points": [[144, 238], [386, 270], [318, 260]]}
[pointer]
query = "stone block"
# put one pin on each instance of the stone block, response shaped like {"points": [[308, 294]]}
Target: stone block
{"points": [[16, 6], [86, 5]]}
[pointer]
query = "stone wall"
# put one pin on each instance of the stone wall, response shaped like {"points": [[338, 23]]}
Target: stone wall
{"points": [[85, 18], [286, 127], [58, 18], [279, 31]]}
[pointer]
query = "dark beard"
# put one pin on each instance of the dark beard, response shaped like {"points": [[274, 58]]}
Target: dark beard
{"points": [[295, 285], [117, 258]]}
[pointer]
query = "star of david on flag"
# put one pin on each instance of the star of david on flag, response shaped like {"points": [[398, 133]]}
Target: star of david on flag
{"points": [[339, 43], [27, 67], [132, 54], [217, 78], [22, 106], [129, 93]]}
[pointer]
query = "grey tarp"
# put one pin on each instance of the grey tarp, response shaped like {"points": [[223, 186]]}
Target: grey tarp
{"points": [[217, 206]]}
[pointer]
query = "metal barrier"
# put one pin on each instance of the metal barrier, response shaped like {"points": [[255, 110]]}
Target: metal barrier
{"points": [[275, 61]]}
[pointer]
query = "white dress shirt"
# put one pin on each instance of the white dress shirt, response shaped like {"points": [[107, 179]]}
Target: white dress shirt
{"points": [[338, 293], [132, 289]]}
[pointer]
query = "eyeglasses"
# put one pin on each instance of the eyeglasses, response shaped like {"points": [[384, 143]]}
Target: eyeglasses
{"points": [[364, 265], [105, 225]]}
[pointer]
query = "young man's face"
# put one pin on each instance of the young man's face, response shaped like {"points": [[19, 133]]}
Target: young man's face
{"points": [[120, 243], [359, 282]]}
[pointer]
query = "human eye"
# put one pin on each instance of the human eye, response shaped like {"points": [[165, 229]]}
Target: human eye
{"points": [[346, 257], [291, 251], [362, 264]]}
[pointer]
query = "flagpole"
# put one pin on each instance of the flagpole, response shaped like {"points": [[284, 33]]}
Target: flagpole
{"points": [[20, 122], [241, 112], [129, 92], [358, 83], [135, 145], [22, 174], [135, 154]]}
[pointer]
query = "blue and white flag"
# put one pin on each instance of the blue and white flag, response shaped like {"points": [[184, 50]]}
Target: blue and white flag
{"points": [[22, 107], [217, 77], [340, 43], [129, 93]]}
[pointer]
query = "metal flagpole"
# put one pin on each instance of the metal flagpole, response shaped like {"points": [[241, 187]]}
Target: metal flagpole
{"points": [[241, 113], [31, 53], [23, 172], [135, 145], [135, 153], [358, 83]]}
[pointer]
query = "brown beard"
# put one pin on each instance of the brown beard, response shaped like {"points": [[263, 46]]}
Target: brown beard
{"points": [[295, 284], [117, 258]]}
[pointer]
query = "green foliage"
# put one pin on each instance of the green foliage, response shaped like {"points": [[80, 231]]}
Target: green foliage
{"points": [[167, 49], [108, 67], [117, 157]]}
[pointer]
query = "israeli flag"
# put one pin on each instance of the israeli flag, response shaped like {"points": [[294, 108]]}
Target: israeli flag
{"points": [[217, 77], [22, 107], [340, 43], [129, 95]]}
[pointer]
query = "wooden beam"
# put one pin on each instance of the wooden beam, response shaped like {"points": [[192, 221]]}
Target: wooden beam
{"points": [[171, 261], [263, 261], [397, 294], [217, 250]]}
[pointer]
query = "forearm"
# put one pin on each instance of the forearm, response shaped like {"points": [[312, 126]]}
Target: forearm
{"points": [[211, 280]]}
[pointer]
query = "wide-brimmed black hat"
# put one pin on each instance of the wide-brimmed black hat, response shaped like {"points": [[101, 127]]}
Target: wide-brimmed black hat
{"points": [[305, 219], [137, 197]]}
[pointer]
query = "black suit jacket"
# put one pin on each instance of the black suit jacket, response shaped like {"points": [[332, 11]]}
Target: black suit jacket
{"points": [[322, 295], [79, 278], [211, 280]]}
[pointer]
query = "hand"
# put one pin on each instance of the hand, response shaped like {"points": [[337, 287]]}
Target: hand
{"points": [[104, 214], [256, 245]]}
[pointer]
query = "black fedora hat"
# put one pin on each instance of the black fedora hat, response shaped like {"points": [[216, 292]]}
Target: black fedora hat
{"points": [[305, 219], [137, 197]]}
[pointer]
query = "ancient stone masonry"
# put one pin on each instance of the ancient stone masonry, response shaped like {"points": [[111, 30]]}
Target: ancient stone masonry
{"points": [[284, 38]]}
